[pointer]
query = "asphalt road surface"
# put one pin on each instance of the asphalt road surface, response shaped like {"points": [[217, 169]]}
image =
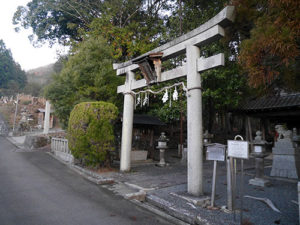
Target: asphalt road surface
{"points": [[35, 189]]}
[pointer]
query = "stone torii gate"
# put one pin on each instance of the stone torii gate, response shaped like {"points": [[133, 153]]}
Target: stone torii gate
{"points": [[189, 43]]}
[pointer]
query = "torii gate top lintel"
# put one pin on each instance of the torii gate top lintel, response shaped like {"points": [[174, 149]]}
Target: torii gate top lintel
{"points": [[222, 19]]}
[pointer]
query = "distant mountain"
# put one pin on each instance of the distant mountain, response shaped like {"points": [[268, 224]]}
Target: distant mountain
{"points": [[40, 75]]}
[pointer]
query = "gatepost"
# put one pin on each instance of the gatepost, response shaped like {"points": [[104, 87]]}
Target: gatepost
{"points": [[127, 123], [299, 199], [47, 117]]}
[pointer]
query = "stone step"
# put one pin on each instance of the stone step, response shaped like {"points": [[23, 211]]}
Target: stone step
{"points": [[172, 209]]}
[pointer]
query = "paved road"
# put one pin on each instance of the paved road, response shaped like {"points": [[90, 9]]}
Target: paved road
{"points": [[35, 189]]}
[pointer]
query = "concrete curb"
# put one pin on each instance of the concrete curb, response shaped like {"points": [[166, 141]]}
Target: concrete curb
{"points": [[160, 213], [89, 175], [139, 187], [174, 211]]}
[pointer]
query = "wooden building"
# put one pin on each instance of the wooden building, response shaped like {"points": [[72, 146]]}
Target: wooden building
{"points": [[146, 129], [266, 112]]}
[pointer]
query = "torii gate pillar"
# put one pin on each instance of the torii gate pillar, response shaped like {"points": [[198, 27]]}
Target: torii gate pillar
{"points": [[194, 123], [127, 124]]}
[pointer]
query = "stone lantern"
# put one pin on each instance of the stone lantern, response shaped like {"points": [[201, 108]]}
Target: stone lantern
{"points": [[207, 137], [259, 153], [162, 146]]}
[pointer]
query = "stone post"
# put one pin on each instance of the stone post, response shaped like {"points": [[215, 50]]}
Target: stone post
{"points": [[194, 123], [127, 124], [299, 199], [47, 117], [16, 112]]}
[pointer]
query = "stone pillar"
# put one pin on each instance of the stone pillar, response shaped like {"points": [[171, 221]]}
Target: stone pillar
{"points": [[194, 123], [127, 124], [47, 117], [299, 199]]}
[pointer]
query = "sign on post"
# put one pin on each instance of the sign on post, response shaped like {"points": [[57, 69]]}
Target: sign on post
{"points": [[238, 149], [215, 152]]}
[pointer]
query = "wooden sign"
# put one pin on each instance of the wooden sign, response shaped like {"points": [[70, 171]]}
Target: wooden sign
{"points": [[215, 152], [238, 149]]}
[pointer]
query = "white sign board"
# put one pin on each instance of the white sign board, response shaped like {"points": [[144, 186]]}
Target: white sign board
{"points": [[215, 152], [238, 149]]}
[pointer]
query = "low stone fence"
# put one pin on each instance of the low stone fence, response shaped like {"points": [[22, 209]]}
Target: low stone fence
{"points": [[59, 147]]}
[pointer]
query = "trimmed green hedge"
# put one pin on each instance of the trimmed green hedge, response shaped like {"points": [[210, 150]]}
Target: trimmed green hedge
{"points": [[90, 132]]}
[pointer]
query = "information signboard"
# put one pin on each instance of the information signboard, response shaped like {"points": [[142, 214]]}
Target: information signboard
{"points": [[215, 152], [238, 149]]}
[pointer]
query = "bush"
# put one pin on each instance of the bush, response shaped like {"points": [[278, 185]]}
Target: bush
{"points": [[90, 132]]}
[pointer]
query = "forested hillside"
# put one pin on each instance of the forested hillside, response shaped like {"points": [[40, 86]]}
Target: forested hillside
{"points": [[40, 75], [12, 77]]}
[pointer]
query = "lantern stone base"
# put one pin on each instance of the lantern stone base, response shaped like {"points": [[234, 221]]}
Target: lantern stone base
{"points": [[162, 162], [259, 182]]}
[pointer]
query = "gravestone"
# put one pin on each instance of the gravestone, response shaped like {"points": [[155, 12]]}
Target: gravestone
{"points": [[286, 161]]}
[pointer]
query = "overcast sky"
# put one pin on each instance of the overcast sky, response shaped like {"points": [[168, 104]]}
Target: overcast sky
{"points": [[23, 51]]}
